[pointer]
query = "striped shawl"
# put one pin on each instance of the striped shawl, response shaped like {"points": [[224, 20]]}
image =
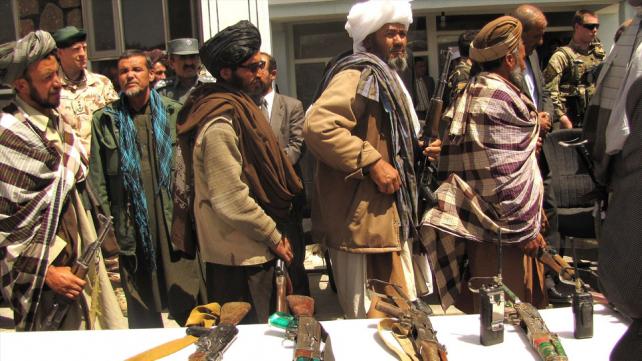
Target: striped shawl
{"points": [[492, 178], [35, 181]]}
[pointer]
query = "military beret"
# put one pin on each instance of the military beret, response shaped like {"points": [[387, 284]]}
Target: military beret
{"points": [[67, 36], [184, 46]]}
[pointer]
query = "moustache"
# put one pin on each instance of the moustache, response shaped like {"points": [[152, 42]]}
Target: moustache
{"points": [[189, 66]]}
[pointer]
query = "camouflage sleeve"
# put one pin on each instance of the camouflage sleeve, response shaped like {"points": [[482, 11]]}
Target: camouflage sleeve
{"points": [[458, 81], [110, 94], [552, 76]]}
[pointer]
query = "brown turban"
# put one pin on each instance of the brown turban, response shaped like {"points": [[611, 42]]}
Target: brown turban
{"points": [[230, 47], [496, 39], [16, 56]]}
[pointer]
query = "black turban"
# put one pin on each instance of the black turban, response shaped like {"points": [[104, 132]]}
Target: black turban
{"points": [[230, 47]]}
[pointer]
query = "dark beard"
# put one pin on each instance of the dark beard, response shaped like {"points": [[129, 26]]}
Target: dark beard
{"points": [[43, 103]]}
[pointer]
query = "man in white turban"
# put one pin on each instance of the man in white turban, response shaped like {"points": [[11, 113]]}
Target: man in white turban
{"points": [[360, 130]]}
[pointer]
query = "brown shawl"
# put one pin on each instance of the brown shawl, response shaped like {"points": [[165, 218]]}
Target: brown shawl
{"points": [[266, 169]]}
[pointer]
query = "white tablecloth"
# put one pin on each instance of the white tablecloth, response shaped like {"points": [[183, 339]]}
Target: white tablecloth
{"points": [[350, 339]]}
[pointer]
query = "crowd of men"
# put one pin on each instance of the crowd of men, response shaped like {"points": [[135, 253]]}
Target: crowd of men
{"points": [[200, 172]]}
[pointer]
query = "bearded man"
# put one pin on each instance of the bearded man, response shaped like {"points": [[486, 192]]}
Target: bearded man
{"points": [[131, 163], [43, 224], [362, 131], [493, 187], [239, 179]]}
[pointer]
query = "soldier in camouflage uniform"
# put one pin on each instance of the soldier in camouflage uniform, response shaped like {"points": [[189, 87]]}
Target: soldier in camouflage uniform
{"points": [[460, 73], [571, 72], [83, 92], [184, 60]]}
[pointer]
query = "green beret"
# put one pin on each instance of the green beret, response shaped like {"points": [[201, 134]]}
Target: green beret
{"points": [[69, 35]]}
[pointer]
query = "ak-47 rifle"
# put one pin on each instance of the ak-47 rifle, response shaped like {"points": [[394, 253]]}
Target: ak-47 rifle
{"points": [[430, 132], [80, 268], [546, 344], [413, 323], [283, 286], [302, 328]]}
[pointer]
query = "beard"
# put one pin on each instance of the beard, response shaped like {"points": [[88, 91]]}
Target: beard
{"points": [[398, 63], [253, 88], [43, 102], [516, 76], [133, 92]]}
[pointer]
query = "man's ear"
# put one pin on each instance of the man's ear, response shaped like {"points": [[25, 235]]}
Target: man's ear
{"points": [[510, 60], [226, 73], [21, 85]]}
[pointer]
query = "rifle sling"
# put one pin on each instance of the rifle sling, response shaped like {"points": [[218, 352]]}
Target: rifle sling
{"points": [[407, 351], [164, 350]]}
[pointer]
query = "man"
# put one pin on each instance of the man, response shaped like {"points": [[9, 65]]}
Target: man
{"points": [[365, 206], [159, 67], [534, 25], [44, 226], [131, 163], [285, 115], [460, 73], [614, 129], [83, 92], [493, 187], [424, 88], [184, 61], [571, 72], [240, 180]]}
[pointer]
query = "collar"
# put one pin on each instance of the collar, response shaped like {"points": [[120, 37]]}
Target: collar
{"points": [[269, 98], [39, 120], [66, 82]]}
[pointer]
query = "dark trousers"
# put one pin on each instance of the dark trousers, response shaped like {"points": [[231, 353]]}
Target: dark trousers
{"points": [[252, 284], [293, 229], [629, 347]]}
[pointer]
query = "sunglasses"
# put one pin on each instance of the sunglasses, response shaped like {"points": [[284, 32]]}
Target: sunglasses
{"points": [[254, 67], [591, 26]]}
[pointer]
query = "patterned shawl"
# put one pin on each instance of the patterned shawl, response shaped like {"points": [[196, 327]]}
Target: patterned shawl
{"points": [[493, 179], [34, 184], [380, 84]]}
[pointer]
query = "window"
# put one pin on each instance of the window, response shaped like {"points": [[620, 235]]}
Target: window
{"points": [[118, 25], [7, 19]]}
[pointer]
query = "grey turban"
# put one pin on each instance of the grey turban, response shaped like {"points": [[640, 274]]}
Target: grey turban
{"points": [[230, 47], [16, 56]]}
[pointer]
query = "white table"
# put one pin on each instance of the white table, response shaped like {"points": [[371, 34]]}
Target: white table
{"points": [[350, 339]]}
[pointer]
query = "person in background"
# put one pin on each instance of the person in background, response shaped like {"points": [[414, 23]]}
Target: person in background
{"points": [[159, 67], [184, 61], [83, 92], [460, 72]]}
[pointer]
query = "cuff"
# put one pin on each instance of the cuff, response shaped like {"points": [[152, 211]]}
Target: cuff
{"points": [[273, 239]]}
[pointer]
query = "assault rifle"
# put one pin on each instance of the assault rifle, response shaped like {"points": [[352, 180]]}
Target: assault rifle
{"points": [[302, 328], [430, 132], [80, 269], [412, 323], [546, 344], [283, 286]]}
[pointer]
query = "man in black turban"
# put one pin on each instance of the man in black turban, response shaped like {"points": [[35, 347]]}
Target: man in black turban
{"points": [[242, 184]]}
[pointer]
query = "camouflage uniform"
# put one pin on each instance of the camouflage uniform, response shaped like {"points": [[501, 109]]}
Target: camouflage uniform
{"points": [[570, 78], [458, 78], [79, 100]]}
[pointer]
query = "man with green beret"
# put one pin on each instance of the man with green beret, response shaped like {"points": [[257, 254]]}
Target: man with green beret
{"points": [[43, 224], [83, 92], [184, 60]]}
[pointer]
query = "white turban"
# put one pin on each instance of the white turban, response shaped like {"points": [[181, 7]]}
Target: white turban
{"points": [[367, 17]]}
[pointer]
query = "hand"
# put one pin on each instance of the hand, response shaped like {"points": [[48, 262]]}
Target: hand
{"points": [[283, 250], [63, 282], [432, 150], [565, 122], [545, 124], [531, 247], [385, 177]]}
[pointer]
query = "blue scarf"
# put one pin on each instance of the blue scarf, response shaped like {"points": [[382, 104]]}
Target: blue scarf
{"points": [[130, 164]]}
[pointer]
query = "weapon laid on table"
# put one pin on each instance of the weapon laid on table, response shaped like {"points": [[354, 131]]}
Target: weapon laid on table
{"points": [[80, 268], [430, 132], [492, 302], [546, 344], [211, 342], [302, 328], [412, 324]]}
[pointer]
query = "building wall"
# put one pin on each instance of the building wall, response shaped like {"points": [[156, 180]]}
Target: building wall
{"points": [[48, 15]]}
